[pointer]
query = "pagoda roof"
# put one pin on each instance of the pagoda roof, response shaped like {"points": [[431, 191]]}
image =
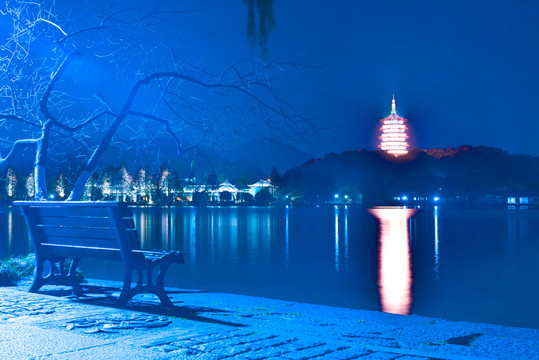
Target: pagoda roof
{"points": [[394, 117]]}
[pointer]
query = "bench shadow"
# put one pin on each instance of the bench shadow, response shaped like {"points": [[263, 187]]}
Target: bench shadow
{"points": [[107, 296]]}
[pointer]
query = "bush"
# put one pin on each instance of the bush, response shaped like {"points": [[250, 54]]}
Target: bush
{"points": [[13, 269], [263, 197]]}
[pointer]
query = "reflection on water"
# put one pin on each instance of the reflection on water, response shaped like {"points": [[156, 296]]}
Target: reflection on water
{"points": [[287, 236], [10, 231], [336, 238], [436, 246], [346, 236], [341, 247], [142, 228], [517, 229], [394, 267], [193, 234], [14, 239]]}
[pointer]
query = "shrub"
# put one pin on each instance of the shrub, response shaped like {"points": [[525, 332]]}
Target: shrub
{"points": [[13, 269]]}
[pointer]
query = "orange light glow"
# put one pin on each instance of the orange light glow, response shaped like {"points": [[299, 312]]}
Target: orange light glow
{"points": [[394, 265]]}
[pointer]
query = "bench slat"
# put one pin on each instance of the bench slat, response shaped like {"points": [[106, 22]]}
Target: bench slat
{"points": [[97, 234], [90, 236], [70, 221], [66, 211], [76, 251], [90, 222], [80, 241]]}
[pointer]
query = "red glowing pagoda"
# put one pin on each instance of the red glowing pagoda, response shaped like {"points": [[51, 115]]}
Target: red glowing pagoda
{"points": [[393, 133]]}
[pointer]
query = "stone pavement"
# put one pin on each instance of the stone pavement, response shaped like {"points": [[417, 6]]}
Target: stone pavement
{"points": [[206, 325]]}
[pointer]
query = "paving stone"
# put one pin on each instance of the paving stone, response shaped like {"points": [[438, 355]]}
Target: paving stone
{"points": [[382, 356], [231, 341], [373, 340], [275, 347], [21, 341], [207, 339], [191, 354], [180, 337], [108, 352], [258, 343], [315, 350], [348, 353]]}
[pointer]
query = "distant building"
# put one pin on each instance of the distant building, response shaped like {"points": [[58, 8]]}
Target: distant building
{"points": [[215, 195], [259, 185], [227, 186], [393, 136]]}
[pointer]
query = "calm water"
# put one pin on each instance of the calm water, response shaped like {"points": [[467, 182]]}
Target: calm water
{"points": [[476, 265]]}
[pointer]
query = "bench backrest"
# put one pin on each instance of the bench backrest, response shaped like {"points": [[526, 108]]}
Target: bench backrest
{"points": [[80, 228]]}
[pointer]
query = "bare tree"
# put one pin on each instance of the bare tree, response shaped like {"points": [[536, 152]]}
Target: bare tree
{"points": [[71, 89]]}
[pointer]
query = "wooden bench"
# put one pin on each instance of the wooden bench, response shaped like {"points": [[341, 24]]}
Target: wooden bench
{"points": [[63, 232]]}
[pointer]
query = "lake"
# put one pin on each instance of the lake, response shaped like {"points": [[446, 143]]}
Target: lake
{"points": [[460, 264]]}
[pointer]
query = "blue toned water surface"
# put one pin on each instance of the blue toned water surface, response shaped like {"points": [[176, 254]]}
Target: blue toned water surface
{"points": [[476, 265]]}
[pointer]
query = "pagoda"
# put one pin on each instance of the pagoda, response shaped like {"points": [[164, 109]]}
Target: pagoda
{"points": [[393, 133]]}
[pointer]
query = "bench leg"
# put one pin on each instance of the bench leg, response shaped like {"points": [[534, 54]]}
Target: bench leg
{"points": [[38, 275], [147, 286], [160, 285], [126, 293], [56, 274]]}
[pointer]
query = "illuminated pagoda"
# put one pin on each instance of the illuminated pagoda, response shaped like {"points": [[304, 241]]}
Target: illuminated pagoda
{"points": [[393, 133]]}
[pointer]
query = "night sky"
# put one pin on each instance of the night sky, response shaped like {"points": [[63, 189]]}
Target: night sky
{"points": [[463, 72]]}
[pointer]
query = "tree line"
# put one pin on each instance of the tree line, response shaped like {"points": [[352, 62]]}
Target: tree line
{"points": [[165, 187]]}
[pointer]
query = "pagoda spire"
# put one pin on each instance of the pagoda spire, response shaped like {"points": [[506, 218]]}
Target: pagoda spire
{"points": [[393, 106]]}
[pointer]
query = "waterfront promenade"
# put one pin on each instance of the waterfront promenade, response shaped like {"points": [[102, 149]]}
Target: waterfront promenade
{"points": [[205, 325]]}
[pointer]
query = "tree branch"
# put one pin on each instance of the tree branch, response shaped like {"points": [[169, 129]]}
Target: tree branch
{"points": [[14, 146]]}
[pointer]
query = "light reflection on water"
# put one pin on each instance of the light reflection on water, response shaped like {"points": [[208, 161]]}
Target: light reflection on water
{"points": [[518, 229], [336, 238], [287, 236], [10, 231], [394, 271], [341, 248], [192, 253], [346, 232], [477, 265], [436, 246]]}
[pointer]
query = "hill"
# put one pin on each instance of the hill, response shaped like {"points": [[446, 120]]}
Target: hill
{"points": [[376, 177]]}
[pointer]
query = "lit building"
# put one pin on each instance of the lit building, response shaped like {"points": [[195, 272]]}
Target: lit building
{"points": [[261, 184], [393, 133]]}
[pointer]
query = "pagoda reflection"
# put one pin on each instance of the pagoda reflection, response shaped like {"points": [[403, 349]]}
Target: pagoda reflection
{"points": [[394, 263]]}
